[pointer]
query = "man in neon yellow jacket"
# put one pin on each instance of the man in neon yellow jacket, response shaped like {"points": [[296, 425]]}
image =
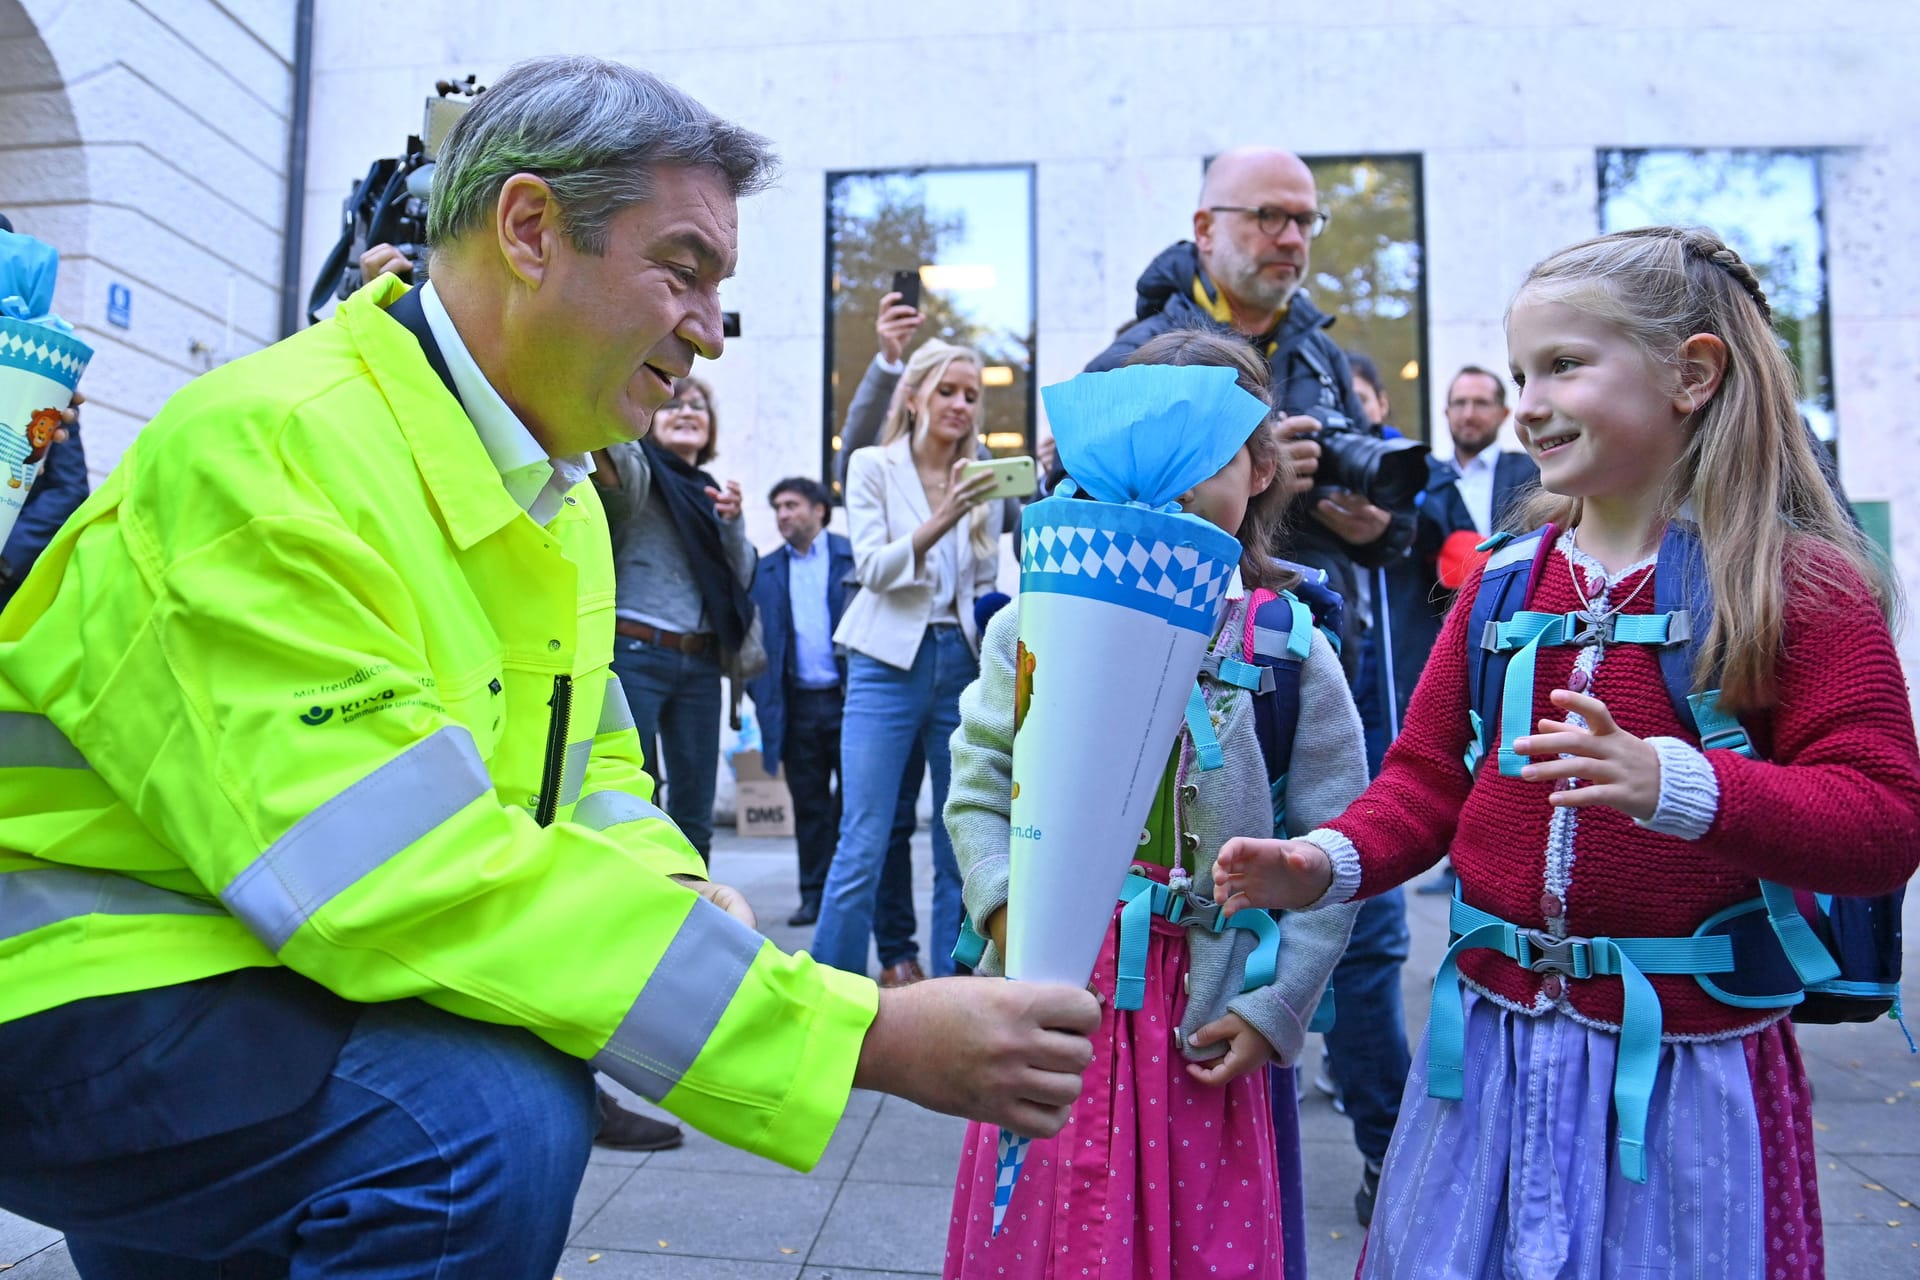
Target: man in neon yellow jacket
{"points": [[326, 857]]}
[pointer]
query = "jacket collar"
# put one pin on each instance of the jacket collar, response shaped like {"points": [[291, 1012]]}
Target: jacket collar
{"points": [[446, 448], [904, 475]]}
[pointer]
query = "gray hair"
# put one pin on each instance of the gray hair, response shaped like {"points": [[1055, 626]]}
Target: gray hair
{"points": [[593, 131]]}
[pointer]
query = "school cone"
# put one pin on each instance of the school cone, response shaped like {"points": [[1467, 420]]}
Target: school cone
{"points": [[1119, 598], [40, 364]]}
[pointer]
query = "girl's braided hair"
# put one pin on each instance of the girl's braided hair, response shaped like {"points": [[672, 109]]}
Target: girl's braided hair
{"points": [[1760, 496]]}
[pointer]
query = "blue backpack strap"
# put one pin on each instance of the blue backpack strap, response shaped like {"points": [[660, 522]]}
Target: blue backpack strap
{"points": [[1505, 583]]}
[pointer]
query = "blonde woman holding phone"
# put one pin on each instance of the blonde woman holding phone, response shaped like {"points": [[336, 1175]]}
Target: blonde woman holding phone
{"points": [[925, 546]]}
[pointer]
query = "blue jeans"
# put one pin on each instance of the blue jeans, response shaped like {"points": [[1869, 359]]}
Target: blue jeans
{"points": [[888, 711], [810, 757], [436, 1146], [1367, 1049], [675, 698]]}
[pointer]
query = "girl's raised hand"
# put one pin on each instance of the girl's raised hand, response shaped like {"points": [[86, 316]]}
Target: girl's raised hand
{"points": [[1247, 1050], [1278, 875], [1614, 767]]}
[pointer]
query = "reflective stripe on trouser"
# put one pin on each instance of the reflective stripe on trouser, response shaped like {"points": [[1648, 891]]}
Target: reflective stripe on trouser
{"points": [[355, 833], [604, 809], [29, 741], [682, 1002], [34, 899]]}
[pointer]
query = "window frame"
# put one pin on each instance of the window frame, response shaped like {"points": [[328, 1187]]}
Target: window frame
{"points": [[1816, 159], [1423, 344], [833, 176]]}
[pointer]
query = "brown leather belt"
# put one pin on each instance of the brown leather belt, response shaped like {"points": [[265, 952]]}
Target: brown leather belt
{"points": [[664, 639]]}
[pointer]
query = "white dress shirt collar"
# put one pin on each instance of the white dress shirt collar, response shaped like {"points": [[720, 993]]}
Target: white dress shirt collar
{"points": [[537, 483]]}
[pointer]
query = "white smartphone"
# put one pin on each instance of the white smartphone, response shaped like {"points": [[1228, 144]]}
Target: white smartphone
{"points": [[1012, 477]]}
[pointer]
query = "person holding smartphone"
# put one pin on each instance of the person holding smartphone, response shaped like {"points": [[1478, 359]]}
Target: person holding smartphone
{"points": [[925, 548]]}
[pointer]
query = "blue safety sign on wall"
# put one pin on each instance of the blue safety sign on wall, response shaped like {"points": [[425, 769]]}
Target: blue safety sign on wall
{"points": [[119, 305]]}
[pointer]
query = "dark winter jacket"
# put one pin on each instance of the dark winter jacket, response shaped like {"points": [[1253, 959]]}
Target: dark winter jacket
{"points": [[1309, 371]]}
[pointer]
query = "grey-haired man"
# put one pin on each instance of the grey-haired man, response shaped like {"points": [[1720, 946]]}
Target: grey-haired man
{"points": [[312, 921]]}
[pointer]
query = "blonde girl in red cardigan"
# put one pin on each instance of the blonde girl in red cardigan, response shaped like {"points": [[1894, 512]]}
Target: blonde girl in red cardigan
{"points": [[1651, 390]]}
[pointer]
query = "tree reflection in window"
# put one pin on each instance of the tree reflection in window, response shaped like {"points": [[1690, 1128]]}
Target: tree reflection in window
{"points": [[1368, 268], [970, 234], [1766, 205]]}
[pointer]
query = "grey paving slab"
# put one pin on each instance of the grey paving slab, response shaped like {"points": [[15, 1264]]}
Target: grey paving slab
{"points": [[1849, 1195], [20, 1238], [1868, 1128], [711, 1215], [51, 1263], [1872, 1253], [909, 1144], [618, 1264], [1898, 1174], [596, 1188], [858, 1273], [884, 1225]]}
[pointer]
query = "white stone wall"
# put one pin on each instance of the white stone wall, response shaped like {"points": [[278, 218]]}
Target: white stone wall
{"points": [[147, 140], [1116, 104]]}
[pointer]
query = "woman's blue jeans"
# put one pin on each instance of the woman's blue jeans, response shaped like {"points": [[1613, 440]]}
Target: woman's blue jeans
{"points": [[888, 710], [675, 699]]}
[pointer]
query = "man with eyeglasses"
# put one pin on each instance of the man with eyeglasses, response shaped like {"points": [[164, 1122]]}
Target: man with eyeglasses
{"points": [[1258, 214]]}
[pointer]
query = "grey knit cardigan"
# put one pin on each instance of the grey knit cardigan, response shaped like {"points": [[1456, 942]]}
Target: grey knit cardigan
{"points": [[1328, 770]]}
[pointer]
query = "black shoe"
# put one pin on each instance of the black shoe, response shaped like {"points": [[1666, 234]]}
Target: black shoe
{"points": [[1369, 1190], [625, 1130], [808, 913]]}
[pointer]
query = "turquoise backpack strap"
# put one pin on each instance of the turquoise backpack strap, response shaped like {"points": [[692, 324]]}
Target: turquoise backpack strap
{"points": [[1805, 952], [1629, 959], [1206, 744]]}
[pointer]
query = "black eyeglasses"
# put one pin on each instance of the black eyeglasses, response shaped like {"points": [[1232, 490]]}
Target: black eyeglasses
{"points": [[1273, 220]]}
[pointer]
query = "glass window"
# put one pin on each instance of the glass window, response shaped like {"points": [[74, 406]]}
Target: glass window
{"points": [[1766, 205], [969, 233], [1369, 270]]}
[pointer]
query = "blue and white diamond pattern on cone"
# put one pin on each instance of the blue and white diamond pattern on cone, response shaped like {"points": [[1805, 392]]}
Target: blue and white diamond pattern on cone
{"points": [[1172, 565], [36, 348]]}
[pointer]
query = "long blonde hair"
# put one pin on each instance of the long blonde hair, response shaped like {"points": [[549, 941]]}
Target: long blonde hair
{"points": [[925, 366], [1749, 471]]}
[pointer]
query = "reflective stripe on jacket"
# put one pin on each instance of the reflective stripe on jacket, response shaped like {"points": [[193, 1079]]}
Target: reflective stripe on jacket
{"points": [[301, 684]]}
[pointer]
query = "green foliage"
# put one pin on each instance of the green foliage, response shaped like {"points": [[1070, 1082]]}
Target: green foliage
{"points": [[1366, 271], [902, 234]]}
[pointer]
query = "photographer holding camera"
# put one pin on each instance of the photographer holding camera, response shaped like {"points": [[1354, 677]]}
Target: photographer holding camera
{"points": [[1259, 210]]}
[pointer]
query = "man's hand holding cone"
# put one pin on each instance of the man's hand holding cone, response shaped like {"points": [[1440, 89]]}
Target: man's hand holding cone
{"points": [[1005, 1053]]}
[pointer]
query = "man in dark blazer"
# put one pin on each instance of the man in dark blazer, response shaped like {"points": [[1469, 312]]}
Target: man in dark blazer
{"points": [[800, 698]]}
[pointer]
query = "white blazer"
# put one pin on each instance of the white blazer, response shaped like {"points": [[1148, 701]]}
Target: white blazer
{"points": [[885, 504]]}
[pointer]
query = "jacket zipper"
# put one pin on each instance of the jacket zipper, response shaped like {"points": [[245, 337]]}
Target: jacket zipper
{"points": [[552, 774]]}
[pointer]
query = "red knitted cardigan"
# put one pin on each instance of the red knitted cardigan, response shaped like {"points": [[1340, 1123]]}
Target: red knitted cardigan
{"points": [[1832, 805]]}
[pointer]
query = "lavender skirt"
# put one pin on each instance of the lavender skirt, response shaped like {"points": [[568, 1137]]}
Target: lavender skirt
{"points": [[1519, 1179]]}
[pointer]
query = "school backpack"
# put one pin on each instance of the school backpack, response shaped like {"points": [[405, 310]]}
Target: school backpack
{"points": [[1833, 958]]}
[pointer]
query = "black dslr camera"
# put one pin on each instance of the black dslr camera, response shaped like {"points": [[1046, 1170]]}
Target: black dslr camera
{"points": [[1387, 473], [389, 205]]}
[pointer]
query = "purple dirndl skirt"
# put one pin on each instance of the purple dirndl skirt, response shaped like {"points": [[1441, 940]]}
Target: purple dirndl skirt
{"points": [[1519, 1179]]}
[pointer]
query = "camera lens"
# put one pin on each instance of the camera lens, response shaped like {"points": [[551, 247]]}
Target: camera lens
{"points": [[1388, 473]]}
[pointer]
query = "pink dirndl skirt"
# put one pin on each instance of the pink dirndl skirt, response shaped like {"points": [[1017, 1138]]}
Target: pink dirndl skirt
{"points": [[1156, 1175]]}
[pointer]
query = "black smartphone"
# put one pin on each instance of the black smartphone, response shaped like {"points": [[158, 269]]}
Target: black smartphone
{"points": [[907, 285]]}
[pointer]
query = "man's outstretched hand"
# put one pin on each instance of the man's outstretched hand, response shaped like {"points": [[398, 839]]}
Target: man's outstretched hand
{"points": [[1004, 1053]]}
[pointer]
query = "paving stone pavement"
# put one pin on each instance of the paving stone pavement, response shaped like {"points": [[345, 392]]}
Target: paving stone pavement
{"points": [[876, 1206]]}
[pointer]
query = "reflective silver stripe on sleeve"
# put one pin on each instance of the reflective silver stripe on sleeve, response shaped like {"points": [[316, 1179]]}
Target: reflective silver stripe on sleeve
{"points": [[574, 775], [29, 741], [682, 1002], [355, 832], [615, 713], [34, 899], [605, 809]]}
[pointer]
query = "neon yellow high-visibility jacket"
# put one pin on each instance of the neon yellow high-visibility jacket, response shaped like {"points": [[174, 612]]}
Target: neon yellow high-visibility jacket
{"points": [[301, 684]]}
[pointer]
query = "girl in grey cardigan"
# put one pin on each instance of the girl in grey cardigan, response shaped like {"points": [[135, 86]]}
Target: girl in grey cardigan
{"points": [[1173, 1124]]}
